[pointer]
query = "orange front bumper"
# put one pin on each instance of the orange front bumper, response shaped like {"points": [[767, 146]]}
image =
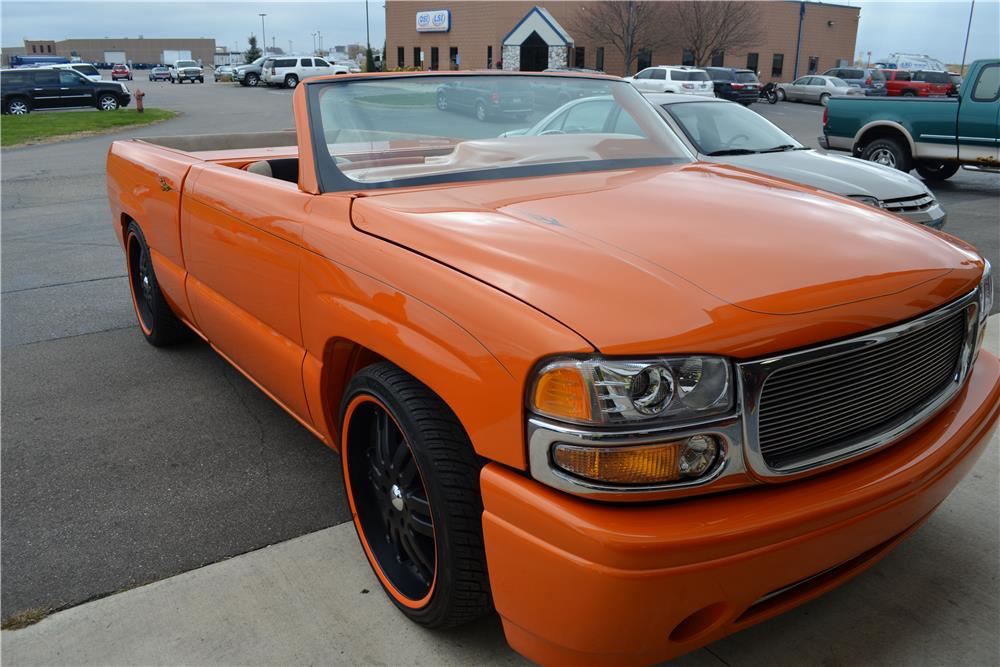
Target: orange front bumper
{"points": [[578, 582]]}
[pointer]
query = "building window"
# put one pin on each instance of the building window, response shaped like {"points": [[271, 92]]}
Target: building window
{"points": [[489, 56], [813, 64], [400, 57], [718, 58], [777, 64], [644, 60], [418, 62], [752, 62], [33, 47], [453, 57], [599, 62], [580, 57], [434, 58], [48, 47], [687, 57]]}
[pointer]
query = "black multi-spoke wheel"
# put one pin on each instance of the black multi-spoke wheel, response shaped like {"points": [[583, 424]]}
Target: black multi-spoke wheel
{"points": [[412, 480], [158, 323]]}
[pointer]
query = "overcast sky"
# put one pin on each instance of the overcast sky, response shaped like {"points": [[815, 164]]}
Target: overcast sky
{"points": [[934, 28]]}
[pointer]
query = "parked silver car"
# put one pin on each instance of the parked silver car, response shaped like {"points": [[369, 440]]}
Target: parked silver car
{"points": [[814, 88], [729, 133]]}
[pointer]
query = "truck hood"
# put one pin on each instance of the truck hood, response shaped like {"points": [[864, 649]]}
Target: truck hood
{"points": [[639, 260], [834, 173]]}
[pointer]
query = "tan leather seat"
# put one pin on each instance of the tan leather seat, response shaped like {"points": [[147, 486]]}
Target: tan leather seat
{"points": [[262, 168]]}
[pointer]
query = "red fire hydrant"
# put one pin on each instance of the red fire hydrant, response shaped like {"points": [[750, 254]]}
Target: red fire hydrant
{"points": [[138, 100]]}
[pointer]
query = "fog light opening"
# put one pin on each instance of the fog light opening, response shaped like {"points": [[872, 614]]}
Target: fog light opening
{"points": [[699, 623]]}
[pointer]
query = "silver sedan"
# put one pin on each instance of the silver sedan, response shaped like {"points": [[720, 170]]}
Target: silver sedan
{"points": [[817, 89], [729, 133]]}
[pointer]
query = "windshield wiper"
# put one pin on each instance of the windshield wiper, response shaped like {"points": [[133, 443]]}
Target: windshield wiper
{"points": [[780, 149], [732, 151]]}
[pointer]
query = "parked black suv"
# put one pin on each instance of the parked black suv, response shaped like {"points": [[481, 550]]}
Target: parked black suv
{"points": [[735, 85], [25, 89]]}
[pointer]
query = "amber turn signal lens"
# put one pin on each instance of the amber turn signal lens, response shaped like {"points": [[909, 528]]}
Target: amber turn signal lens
{"points": [[646, 464], [562, 393]]}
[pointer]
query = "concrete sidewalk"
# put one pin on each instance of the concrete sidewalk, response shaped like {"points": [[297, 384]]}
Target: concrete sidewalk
{"points": [[313, 600]]}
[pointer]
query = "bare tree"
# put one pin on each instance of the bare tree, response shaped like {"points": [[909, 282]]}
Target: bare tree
{"points": [[627, 25], [708, 27]]}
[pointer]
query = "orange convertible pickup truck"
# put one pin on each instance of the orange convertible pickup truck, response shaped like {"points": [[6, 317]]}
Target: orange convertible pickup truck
{"points": [[632, 401]]}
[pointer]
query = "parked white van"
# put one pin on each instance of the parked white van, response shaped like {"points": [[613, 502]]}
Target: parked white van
{"points": [[287, 71]]}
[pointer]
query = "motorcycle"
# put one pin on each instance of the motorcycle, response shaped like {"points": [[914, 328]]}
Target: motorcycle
{"points": [[769, 93]]}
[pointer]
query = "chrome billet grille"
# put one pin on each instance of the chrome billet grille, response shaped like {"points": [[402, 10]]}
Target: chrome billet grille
{"points": [[908, 204], [812, 408]]}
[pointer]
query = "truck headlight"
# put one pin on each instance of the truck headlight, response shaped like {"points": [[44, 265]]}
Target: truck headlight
{"points": [[615, 391], [984, 306]]}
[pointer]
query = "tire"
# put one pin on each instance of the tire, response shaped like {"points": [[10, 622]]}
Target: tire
{"points": [[909, 93], [201, 79], [17, 106], [824, 99], [414, 495], [107, 102], [780, 95], [157, 321], [252, 80], [291, 81], [936, 171], [889, 152], [442, 102], [481, 114]]}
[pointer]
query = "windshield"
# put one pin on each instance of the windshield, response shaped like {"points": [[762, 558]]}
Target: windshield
{"points": [[186, 63], [728, 129], [405, 130]]}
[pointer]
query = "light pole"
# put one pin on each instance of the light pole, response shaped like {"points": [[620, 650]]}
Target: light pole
{"points": [[263, 35], [965, 49], [314, 42]]}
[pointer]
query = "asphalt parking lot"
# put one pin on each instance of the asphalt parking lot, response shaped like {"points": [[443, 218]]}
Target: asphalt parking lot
{"points": [[123, 464]]}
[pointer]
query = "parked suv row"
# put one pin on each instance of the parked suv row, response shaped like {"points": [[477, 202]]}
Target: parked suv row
{"points": [[24, 90]]}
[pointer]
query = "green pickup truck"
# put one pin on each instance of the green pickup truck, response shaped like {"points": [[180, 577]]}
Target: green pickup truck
{"points": [[934, 136]]}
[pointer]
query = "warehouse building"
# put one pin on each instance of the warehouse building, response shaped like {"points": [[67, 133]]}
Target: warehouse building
{"points": [[528, 36], [133, 51]]}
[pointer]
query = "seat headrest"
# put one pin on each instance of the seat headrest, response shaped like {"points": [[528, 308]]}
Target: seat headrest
{"points": [[263, 168]]}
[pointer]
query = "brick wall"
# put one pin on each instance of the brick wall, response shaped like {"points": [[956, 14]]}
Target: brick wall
{"points": [[479, 25]]}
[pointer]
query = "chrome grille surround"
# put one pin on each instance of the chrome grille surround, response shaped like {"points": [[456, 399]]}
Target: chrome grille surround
{"points": [[908, 204], [753, 375]]}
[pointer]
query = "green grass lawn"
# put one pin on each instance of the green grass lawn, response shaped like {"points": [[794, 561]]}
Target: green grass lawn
{"points": [[16, 130]]}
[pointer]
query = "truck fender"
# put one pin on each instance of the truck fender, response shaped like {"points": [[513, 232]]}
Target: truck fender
{"points": [[884, 123]]}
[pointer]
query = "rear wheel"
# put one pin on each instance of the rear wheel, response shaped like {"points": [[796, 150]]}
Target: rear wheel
{"points": [[17, 106], [780, 95], [158, 323], [107, 103], [824, 99], [889, 152], [291, 81], [936, 171], [412, 481]]}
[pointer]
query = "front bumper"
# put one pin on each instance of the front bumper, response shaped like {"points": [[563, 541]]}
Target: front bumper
{"points": [[587, 583], [933, 216]]}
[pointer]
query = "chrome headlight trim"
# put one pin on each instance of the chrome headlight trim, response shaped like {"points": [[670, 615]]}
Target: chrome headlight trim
{"points": [[544, 434]]}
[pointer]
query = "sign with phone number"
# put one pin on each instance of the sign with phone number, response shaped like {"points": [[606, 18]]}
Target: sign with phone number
{"points": [[434, 21]]}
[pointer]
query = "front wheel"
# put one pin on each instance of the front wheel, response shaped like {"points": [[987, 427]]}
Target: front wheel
{"points": [[936, 171], [107, 103], [201, 79], [252, 80], [17, 106], [889, 152], [442, 102], [412, 482], [158, 323], [481, 114]]}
